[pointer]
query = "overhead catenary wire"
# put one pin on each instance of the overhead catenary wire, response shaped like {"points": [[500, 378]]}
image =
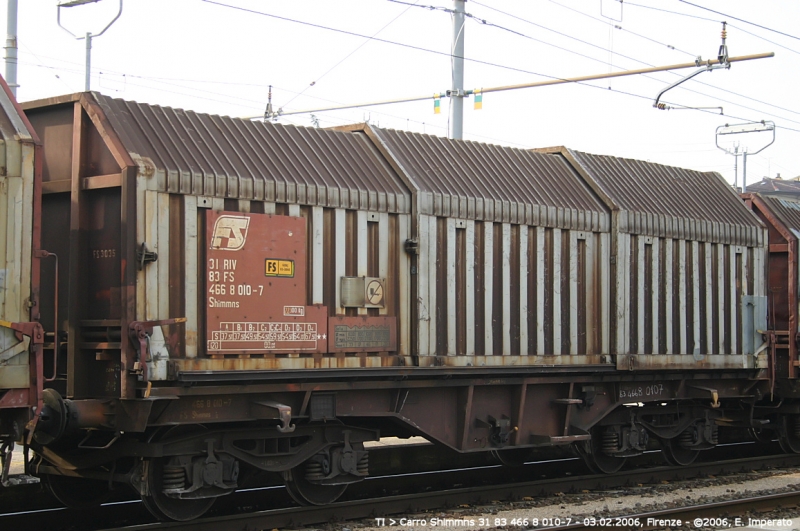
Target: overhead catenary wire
{"points": [[741, 20], [728, 91], [702, 18], [410, 46], [552, 81], [345, 58]]}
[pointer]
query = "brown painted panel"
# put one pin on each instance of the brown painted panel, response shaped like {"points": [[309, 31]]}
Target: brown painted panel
{"points": [[255, 286], [55, 239], [103, 259], [55, 130]]}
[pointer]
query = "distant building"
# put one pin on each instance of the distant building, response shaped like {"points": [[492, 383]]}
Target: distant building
{"points": [[777, 187]]}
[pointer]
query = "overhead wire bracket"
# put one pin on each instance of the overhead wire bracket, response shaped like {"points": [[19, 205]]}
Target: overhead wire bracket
{"points": [[723, 62]]}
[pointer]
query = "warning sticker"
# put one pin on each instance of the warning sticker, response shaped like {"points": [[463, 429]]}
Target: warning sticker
{"points": [[278, 268]]}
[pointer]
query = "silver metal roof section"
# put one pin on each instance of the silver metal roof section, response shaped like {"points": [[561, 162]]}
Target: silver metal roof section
{"points": [[471, 180], [666, 201], [220, 156]]}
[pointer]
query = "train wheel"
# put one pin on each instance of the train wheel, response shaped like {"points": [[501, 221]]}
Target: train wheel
{"points": [[677, 455], [598, 461], [789, 436], [306, 493], [512, 457], [77, 493], [164, 507]]}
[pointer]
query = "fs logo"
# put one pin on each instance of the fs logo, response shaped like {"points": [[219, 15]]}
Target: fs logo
{"points": [[230, 233]]}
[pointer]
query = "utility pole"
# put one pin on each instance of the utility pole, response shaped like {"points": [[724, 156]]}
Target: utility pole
{"points": [[737, 129], [11, 47], [457, 60], [88, 35]]}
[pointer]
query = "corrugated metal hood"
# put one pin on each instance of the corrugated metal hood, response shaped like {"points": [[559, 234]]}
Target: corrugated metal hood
{"points": [[668, 202], [472, 180], [208, 155]]}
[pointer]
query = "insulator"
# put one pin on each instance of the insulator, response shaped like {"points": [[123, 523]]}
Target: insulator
{"points": [[610, 442], [724, 34], [661, 106], [173, 479], [314, 471]]}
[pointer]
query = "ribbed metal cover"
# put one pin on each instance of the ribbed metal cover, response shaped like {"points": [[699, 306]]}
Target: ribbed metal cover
{"points": [[471, 180], [208, 155], [665, 201], [14, 126], [787, 210]]}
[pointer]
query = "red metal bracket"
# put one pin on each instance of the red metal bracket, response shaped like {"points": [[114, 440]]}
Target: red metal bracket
{"points": [[32, 330], [35, 332], [139, 332]]}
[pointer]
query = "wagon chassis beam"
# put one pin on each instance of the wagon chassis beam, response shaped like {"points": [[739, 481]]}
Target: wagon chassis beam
{"points": [[314, 439]]}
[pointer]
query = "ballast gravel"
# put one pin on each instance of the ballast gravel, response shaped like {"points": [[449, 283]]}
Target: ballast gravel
{"points": [[600, 506]]}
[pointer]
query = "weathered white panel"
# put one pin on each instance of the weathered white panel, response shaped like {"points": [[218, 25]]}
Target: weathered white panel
{"points": [[557, 292], [8, 279], [218, 204], [190, 263], [244, 205], [523, 290], [592, 315], [709, 302], [622, 291], [340, 231], [654, 291], [362, 247], [735, 309], [604, 317], [450, 273], [161, 246], [141, 235], [470, 286], [433, 258], [150, 271], [721, 297], [759, 280], [404, 281], [669, 290], [506, 262], [540, 290], [383, 253], [488, 275], [640, 287], [425, 311], [269, 207], [682, 306], [696, 296], [317, 253], [294, 210], [573, 292]]}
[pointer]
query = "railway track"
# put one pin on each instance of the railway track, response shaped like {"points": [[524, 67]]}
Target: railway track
{"points": [[716, 515], [246, 512]]}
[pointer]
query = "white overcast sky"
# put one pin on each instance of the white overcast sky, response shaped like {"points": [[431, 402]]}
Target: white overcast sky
{"points": [[221, 57]]}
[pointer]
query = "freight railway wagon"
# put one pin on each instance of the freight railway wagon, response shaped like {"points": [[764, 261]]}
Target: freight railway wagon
{"points": [[232, 296], [21, 377]]}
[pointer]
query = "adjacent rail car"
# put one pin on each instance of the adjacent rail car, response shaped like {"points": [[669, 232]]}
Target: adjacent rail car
{"points": [[235, 296], [21, 335], [781, 215]]}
